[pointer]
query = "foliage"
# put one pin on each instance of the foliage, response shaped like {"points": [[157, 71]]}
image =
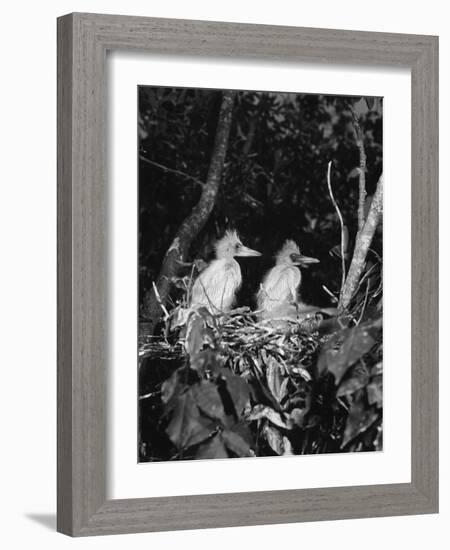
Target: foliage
{"points": [[242, 388]]}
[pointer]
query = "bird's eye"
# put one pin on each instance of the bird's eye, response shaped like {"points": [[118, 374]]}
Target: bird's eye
{"points": [[293, 257], [238, 246]]}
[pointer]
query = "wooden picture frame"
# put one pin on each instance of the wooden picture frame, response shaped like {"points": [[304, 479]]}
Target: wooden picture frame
{"points": [[83, 41]]}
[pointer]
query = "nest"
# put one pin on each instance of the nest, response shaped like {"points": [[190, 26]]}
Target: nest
{"points": [[238, 335]]}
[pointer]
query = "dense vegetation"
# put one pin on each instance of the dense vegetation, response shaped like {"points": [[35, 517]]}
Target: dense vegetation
{"points": [[228, 386]]}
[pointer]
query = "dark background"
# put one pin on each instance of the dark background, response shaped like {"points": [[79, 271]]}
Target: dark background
{"points": [[274, 182]]}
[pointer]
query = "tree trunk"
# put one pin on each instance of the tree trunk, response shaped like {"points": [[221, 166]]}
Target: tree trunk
{"points": [[194, 223], [362, 245]]}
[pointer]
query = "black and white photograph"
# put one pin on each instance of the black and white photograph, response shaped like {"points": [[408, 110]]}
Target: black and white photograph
{"points": [[260, 274]]}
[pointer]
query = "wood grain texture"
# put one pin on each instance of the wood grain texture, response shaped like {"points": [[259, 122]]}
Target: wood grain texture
{"points": [[64, 335], [83, 40]]}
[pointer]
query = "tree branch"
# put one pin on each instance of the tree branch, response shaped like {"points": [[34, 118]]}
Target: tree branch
{"points": [[193, 224], [362, 245], [362, 168], [341, 221], [171, 170]]}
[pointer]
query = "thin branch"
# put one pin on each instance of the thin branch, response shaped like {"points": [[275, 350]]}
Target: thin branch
{"points": [[341, 221], [328, 291], [148, 395], [362, 169], [171, 170], [158, 298]]}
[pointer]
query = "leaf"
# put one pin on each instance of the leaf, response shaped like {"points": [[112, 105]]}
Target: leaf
{"points": [[274, 378], [284, 389], [208, 399], [377, 369], [185, 420], [169, 387], [260, 411], [277, 441], [359, 379], [350, 386], [236, 444], [301, 371], [356, 342], [242, 428], [179, 317], [354, 173], [194, 335], [205, 360], [298, 416], [378, 441], [212, 449], [375, 391], [238, 389], [370, 102], [201, 432], [208, 318], [200, 264], [360, 107], [359, 419]]}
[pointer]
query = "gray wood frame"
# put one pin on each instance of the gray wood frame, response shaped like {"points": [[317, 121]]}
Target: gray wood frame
{"points": [[83, 40]]}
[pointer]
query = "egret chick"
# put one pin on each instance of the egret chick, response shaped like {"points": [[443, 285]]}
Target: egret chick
{"points": [[216, 286], [277, 296]]}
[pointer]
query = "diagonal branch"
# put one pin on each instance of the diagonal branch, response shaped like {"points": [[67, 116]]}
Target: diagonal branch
{"points": [[193, 224], [171, 170], [362, 245]]}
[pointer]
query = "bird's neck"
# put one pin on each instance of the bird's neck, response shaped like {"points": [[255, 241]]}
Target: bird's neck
{"points": [[227, 259]]}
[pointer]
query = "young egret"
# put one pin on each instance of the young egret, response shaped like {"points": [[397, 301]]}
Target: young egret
{"points": [[277, 296], [216, 286]]}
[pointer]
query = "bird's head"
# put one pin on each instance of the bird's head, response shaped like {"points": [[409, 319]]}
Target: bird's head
{"points": [[230, 245], [290, 255]]}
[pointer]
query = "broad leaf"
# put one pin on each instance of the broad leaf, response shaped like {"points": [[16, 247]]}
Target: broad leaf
{"points": [[260, 411], [351, 345], [238, 390], [298, 416], [375, 391], [358, 379], [208, 399], [194, 335], [236, 444], [370, 102], [360, 107], [171, 390], [212, 449], [274, 378], [202, 431], [205, 360], [277, 441], [185, 422], [359, 419]]}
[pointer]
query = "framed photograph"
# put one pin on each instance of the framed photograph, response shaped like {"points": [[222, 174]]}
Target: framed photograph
{"points": [[247, 274]]}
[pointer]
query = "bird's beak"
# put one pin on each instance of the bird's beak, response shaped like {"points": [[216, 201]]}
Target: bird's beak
{"points": [[304, 261], [244, 251]]}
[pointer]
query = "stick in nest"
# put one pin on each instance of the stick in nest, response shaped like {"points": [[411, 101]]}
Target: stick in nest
{"points": [[158, 298]]}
